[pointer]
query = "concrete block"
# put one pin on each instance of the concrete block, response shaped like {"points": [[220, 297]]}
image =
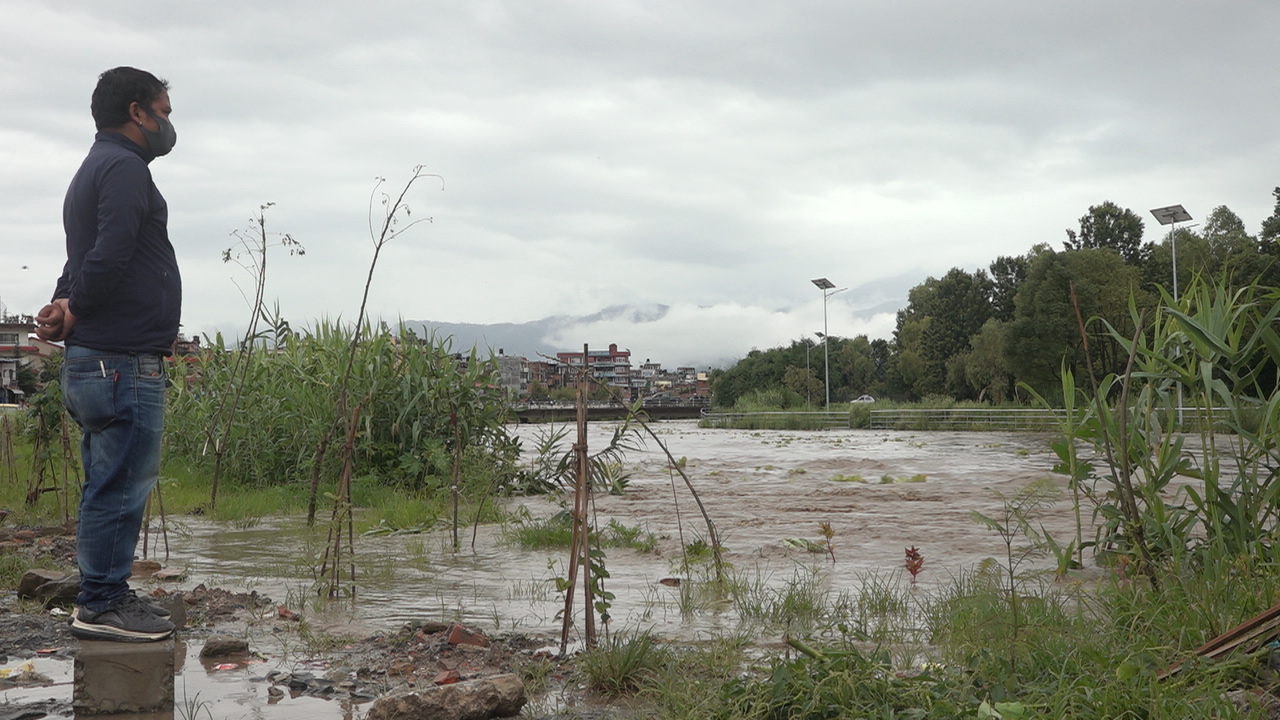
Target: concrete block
{"points": [[117, 677]]}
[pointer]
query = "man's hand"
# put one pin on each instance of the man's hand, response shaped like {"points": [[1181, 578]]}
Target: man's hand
{"points": [[55, 321]]}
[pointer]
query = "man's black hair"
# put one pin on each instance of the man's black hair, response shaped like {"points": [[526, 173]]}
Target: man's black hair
{"points": [[117, 89]]}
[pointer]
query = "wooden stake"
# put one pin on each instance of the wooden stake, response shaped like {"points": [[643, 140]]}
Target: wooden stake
{"points": [[579, 553], [584, 505]]}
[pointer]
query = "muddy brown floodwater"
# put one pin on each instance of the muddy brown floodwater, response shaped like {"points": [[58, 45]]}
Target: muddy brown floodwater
{"points": [[761, 488]]}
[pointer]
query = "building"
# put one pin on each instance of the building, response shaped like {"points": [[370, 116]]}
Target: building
{"points": [[544, 372], [18, 350], [515, 373], [610, 367], [183, 347]]}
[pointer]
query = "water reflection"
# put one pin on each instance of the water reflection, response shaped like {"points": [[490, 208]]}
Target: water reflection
{"points": [[117, 677]]}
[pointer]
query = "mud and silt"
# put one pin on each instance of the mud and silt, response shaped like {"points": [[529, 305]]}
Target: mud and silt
{"points": [[880, 492]]}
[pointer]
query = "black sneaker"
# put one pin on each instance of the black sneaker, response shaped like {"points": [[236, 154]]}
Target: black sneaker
{"points": [[130, 620], [156, 608]]}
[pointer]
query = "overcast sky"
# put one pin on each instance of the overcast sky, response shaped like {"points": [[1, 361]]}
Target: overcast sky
{"points": [[713, 157]]}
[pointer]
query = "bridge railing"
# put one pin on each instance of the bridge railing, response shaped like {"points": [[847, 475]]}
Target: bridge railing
{"points": [[998, 419], [776, 420], [995, 419], [974, 419]]}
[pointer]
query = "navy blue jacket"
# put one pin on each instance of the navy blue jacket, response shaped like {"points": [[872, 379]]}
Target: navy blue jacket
{"points": [[121, 274]]}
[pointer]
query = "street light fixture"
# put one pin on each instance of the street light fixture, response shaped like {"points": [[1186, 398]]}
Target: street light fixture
{"points": [[826, 286], [1171, 216]]}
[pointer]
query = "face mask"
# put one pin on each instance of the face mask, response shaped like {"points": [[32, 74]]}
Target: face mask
{"points": [[161, 142]]}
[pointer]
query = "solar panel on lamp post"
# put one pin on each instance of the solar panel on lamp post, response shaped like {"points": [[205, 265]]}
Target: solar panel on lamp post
{"points": [[1171, 216], [826, 286]]}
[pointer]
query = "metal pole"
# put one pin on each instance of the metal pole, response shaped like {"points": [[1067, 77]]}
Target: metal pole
{"points": [[1171, 216], [826, 356], [826, 286], [1173, 248], [808, 390]]}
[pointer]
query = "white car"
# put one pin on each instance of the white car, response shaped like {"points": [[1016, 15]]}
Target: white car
{"points": [[863, 399]]}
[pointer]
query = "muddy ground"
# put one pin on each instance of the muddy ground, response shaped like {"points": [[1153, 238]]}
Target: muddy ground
{"points": [[350, 671], [880, 493]]}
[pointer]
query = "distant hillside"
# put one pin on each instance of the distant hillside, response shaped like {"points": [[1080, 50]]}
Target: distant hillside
{"points": [[683, 336], [536, 337]]}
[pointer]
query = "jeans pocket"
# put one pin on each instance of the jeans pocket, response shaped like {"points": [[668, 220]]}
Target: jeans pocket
{"points": [[89, 392], [150, 366]]}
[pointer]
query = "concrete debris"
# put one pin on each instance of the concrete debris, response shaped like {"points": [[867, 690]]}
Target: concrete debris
{"points": [[220, 646], [492, 697], [459, 635], [51, 587]]}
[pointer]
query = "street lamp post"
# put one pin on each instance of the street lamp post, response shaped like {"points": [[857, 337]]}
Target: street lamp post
{"points": [[808, 394], [826, 286], [1171, 216]]}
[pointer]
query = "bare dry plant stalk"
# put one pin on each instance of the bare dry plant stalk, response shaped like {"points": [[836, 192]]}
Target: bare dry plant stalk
{"points": [[386, 230], [252, 256]]}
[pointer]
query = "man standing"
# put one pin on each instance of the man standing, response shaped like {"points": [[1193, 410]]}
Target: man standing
{"points": [[117, 306]]}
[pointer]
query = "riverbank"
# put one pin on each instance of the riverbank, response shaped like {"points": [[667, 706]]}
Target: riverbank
{"points": [[988, 619]]}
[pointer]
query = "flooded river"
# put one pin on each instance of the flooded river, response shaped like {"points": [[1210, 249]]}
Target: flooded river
{"points": [[768, 492], [761, 489]]}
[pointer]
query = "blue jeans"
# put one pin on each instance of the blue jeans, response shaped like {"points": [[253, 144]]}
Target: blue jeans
{"points": [[118, 401]]}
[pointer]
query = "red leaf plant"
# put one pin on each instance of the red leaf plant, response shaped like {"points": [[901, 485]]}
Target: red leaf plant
{"points": [[915, 562]]}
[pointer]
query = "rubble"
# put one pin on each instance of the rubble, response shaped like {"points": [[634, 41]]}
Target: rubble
{"points": [[492, 697]]}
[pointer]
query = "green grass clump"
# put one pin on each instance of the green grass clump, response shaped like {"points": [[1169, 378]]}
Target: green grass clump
{"points": [[802, 604], [888, 649], [623, 664], [556, 531], [13, 567]]}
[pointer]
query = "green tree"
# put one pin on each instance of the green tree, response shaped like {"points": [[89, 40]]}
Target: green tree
{"points": [[909, 375], [858, 369], [1194, 254], [538, 392], [805, 384], [1110, 226], [28, 380], [762, 370], [986, 365], [955, 307], [1045, 331], [1225, 232], [1007, 275], [1271, 226], [1240, 258]]}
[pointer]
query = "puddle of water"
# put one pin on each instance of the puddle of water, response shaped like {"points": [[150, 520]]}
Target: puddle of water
{"points": [[202, 689], [761, 488]]}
